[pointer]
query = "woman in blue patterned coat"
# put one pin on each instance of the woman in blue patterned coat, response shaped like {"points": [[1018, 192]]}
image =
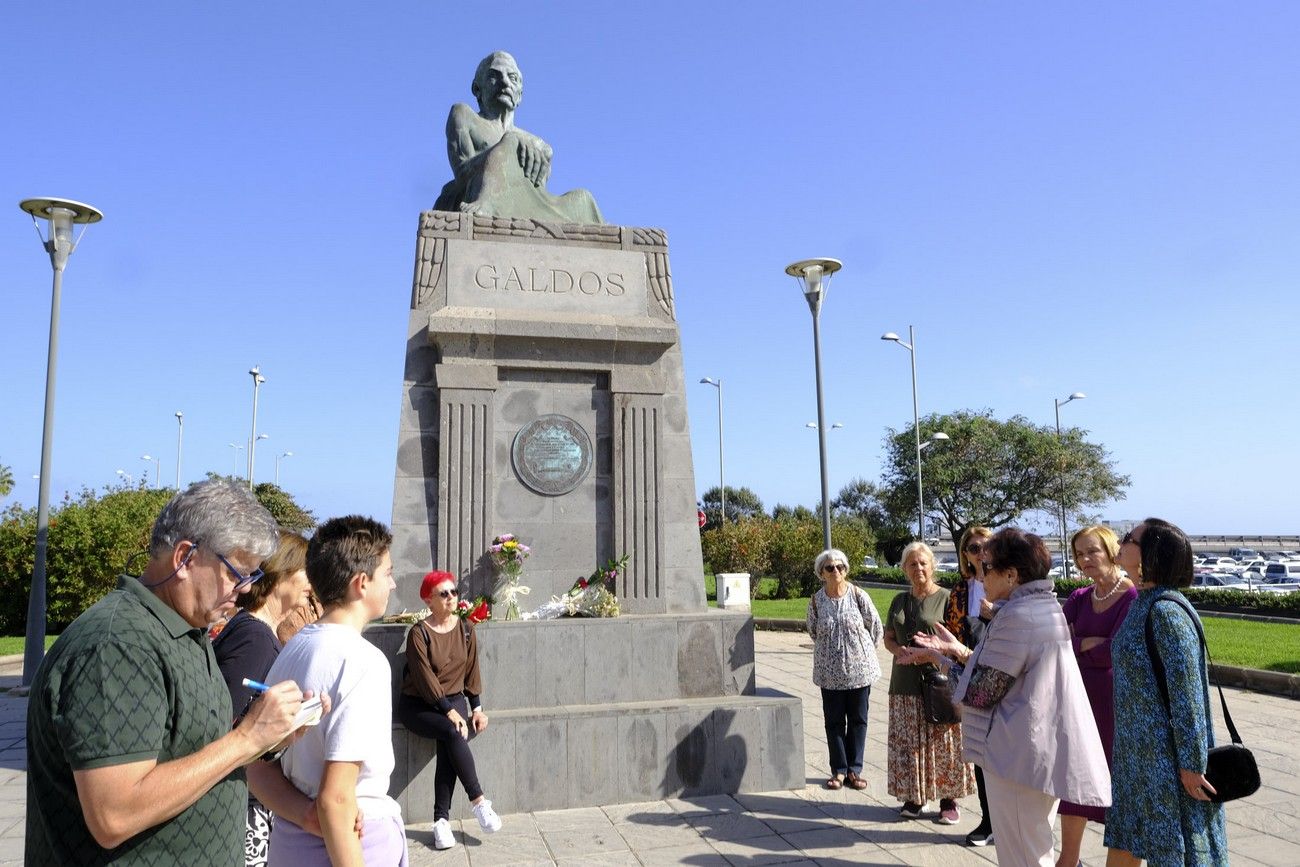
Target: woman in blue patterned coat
{"points": [[1160, 810], [845, 628]]}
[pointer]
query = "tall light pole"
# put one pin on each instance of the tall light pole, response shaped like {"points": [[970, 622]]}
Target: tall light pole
{"points": [[814, 278], [277, 466], [722, 485], [1065, 559], [916, 422], [126, 477], [258, 379], [157, 476], [62, 215], [936, 437], [234, 464], [180, 441]]}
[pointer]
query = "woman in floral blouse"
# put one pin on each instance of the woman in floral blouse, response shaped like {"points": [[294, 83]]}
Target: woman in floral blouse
{"points": [[845, 629]]}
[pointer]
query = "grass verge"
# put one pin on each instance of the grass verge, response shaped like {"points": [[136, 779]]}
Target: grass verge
{"points": [[11, 644], [1245, 643]]}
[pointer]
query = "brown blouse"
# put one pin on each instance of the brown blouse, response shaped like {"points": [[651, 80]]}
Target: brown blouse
{"points": [[442, 664]]}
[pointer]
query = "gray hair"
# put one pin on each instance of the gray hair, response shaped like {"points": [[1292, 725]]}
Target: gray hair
{"points": [[482, 68], [918, 546], [830, 555], [219, 514]]}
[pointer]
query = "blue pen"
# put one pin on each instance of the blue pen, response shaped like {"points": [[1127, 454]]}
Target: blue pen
{"points": [[255, 684]]}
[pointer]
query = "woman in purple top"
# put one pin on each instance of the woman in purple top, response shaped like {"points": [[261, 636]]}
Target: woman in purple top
{"points": [[1094, 614]]}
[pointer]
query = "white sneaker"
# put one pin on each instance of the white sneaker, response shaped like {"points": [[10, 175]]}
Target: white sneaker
{"points": [[442, 836], [487, 817]]}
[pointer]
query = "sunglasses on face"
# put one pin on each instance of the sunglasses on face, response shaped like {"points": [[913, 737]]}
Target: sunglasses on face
{"points": [[1129, 537], [835, 567], [974, 547], [447, 594]]}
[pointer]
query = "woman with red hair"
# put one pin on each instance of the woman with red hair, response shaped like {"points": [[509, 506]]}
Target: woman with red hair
{"points": [[440, 699]]}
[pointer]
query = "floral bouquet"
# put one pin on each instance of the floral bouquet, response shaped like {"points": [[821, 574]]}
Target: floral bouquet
{"points": [[588, 597], [508, 555], [475, 612]]}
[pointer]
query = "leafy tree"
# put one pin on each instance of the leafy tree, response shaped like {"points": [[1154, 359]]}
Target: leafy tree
{"points": [[864, 501], [992, 472], [280, 503], [741, 503], [782, 512], [93, 538], [6, 480]]}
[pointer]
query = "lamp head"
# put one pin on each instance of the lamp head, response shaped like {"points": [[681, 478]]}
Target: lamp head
{"points": [[814, 274], [710, 381], [1078, 395], [62, 214], [891, 336], [939, 436], [180, 416]]}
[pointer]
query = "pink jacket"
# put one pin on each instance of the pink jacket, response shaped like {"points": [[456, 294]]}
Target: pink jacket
{"points": [[1041, 732]]}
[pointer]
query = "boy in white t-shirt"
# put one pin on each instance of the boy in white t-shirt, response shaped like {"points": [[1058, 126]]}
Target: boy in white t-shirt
{"points": [[342, 764]]}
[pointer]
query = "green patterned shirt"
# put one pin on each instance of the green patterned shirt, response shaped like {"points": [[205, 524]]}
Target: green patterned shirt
{"points": [[128, 681]]}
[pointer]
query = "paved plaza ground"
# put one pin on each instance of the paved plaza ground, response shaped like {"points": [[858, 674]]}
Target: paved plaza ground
{"points": [[809, 826]]}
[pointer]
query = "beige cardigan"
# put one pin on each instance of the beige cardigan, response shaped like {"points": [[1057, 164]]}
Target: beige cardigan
{"points": [[1041, 734]]}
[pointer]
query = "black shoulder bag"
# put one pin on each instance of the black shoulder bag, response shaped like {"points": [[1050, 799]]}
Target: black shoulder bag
{"points": [[937, 686], [1231, 768]]}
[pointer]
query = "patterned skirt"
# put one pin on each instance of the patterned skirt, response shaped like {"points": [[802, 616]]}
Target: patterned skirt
{"points": [[257, 838], [924, 759]]}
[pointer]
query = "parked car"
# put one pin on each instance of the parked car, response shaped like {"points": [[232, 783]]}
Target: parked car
{"points": [[1219, 564], [1282, 577], [1255, 565], [869, 563], [947, 564], [1222, 581], [1243, 553]]}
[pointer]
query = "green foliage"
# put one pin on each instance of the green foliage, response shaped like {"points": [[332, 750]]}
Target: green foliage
{"points": [[796, 543], [6, 480], [867, 502], [782, 512], [739, 546], [991, 472], [1257, 602], [279, 502], [741, 503], [92, 539]]}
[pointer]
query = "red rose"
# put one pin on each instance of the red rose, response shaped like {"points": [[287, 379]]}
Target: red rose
{"points": [[480, 613]]}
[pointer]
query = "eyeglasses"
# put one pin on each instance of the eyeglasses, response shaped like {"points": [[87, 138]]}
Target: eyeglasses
{"points": [[835, 567], [1128, 537], [974, 547], [447, 594], [242, 581]]}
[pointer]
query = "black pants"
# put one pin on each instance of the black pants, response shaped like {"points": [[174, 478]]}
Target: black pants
{"points": [[455, 761], [987, 821], [845, 714]]}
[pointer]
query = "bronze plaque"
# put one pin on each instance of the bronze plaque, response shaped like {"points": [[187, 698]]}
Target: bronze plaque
{"points": [[551, 454]]}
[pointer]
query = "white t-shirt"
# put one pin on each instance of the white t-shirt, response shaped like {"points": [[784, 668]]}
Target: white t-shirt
{"points": [[975, 597], [336, 659]]}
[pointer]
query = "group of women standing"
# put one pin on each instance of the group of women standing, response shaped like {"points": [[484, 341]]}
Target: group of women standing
{"points": [[1060, 707]]}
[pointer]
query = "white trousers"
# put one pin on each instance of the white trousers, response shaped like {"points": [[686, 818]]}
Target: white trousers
{"points": [[1022, 822]]}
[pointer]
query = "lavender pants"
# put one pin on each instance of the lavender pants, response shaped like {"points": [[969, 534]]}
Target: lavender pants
{"points": [[383, 844]]}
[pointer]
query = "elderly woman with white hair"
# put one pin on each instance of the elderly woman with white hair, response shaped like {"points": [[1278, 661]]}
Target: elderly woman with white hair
{"points": [[845, 629], [925, 761]]}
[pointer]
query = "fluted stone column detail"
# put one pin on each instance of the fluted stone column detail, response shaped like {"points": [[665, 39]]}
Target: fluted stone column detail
{"points": [[465, 479], [638, 480]]}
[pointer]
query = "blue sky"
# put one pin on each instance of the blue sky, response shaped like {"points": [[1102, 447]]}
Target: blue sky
{"points": [[1101, 198]]}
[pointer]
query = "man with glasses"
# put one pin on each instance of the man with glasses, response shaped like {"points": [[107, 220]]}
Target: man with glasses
{"points": [[130, 749]]}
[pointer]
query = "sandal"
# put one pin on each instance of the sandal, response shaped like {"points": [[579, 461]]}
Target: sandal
{"points": [[834, 783], [855, 782]]}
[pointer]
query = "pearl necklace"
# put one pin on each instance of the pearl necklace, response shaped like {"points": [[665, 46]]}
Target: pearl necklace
{"points": [[1109, 593]]}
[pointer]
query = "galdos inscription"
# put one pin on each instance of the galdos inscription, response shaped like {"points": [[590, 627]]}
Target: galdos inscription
{"points": [[541, 278]]}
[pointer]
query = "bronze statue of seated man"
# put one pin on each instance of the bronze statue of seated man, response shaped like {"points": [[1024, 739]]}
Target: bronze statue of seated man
{"points": [[500, 169]]}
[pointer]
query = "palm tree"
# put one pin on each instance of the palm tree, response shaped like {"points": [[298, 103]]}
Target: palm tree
{"points": [[6, 480]]}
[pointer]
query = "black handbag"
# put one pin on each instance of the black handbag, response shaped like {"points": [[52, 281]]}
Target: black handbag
{"points": [[936, 698], [1231, 768]]}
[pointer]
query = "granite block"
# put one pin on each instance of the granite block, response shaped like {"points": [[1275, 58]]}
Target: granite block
{"points": [[508, 662], [593, 768], [691, 766], [699, 658], [782, 759], [642, 743], [609, 663], [654, 659], [415, 499], [561, 680], [541, 780], [417, 454]]}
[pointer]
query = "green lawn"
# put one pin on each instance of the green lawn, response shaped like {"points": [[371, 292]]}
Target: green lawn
{"points": [[1247, 643], [10, 644]]}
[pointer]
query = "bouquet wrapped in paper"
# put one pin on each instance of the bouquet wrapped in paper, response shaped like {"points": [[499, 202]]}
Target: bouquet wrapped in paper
{"points": [[508, 554], [588, 597]]}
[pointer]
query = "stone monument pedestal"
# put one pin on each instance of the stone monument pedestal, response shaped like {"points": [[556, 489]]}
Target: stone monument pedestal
{"points": [[544, 396]]}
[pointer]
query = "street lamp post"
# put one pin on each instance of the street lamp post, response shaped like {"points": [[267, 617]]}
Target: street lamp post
{"points": [[722, 484], [62, 215], [234, 463], [1065, 558], [277, 466], [258, 379], [814, 278], [916, 422], [157, 476], [126, 477], [180, 441], [936, 437]]}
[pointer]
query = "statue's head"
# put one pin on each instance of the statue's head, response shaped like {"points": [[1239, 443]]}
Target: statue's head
{"points": [[498, 83]]}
